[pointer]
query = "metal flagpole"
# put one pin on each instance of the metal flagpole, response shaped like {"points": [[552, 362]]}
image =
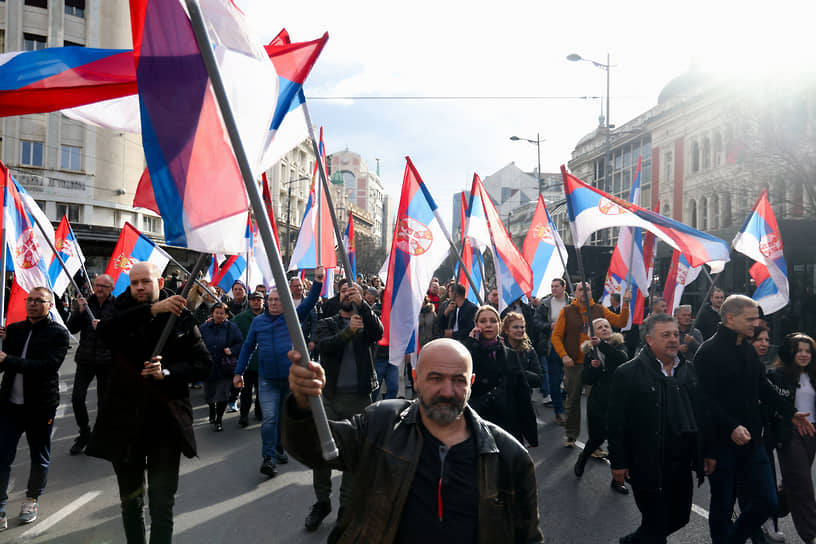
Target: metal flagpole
{"points": [[479, 261], [327, 444], [189, 276], [81, 262], [586, 291], [3, 249], [61, 262], [324, 183]]}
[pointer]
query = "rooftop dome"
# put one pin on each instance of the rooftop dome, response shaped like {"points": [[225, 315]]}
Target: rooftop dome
{"points": [[682, 84]]}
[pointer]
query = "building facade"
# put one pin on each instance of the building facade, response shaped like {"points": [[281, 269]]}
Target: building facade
{"points": [[362, 187]]}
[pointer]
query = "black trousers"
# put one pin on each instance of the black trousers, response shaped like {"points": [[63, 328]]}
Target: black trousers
{"points": [[82, 379], [250, 383], [667, 511], [162, 464]]}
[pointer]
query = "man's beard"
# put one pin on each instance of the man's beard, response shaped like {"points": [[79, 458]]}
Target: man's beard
{"points": [[442, 410], [346, 306]]}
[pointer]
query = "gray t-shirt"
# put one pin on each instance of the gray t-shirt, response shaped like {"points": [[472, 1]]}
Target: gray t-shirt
{"points": [[347, 377]]}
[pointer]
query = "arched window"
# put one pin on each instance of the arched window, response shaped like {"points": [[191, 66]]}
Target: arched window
{"points": [[706, 153], [695, 157], [715, 211], [726, 211], [692, 214], [719, 156], [666, 210], [703, 214]]}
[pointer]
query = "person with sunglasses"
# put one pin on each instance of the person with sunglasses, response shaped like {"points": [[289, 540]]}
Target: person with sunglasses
{"points": [[93, 358]]}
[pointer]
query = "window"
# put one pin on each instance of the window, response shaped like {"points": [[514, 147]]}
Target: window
{"points": [[37, 3], [33, 42], [719, 158], [706, 154], [703, 215], [666, 210], [715, 212], [2, 39], [31, 153], [152, 224], [692, 214], [695, 157], [66, 43], [41, 204], [726, 211], [71, 157], [668, 167], [71, 211], [75, 8]]}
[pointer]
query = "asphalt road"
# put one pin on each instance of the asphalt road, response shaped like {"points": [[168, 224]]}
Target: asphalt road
{"points": [[222, 496]]}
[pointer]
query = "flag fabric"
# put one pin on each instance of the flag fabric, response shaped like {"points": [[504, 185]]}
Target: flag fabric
{"points": [[418, 248], [680, 274], [260, 272], [212, 270], [229, 272], [25, 255], [131, 248], [188, 147], [541, 250], [591, 209], [316, 229], [474, 262], [270, 210], [293, 62], [63, 77], [514, 279], [761, 240], [68, 247], [348, 241], [637, 306]]}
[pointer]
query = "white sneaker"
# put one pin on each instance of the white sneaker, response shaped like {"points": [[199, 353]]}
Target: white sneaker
{"points": [[770, 531], [548, 400], [28, 512]]}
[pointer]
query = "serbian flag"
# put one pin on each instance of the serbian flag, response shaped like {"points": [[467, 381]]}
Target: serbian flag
{"points": [[637, 306], [293, 62], [185, 141], [25, 255], [514, 279], [761, 240], [259, 270], [270, 211], [133, 247], [63, 77], [591, 209], [315, 242], [418, 248], [474, 262], [212, 270], [348, 241], [68, 247], [541, 250], [681, 274], [229, 272]]}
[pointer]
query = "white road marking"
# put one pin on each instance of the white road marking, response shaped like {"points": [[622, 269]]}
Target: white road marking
{"points": [[58, 516]]}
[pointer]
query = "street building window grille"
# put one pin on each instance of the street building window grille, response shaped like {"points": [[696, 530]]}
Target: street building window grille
{"points": [[31, 153]]}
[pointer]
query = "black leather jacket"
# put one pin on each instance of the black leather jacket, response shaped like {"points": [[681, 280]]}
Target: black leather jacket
{"points": [[46, 351], [382, 446]]}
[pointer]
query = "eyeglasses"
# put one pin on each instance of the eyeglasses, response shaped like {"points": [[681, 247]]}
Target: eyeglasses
{"points": [[30, 300]]}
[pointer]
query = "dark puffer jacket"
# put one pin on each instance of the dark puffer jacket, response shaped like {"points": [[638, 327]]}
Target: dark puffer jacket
{"points": [[46, 351], [600, 378], [381, 447], [91, 350], [137, 409]]}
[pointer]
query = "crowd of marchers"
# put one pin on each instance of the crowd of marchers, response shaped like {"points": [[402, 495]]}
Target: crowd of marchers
{"points": [[433, 447]]}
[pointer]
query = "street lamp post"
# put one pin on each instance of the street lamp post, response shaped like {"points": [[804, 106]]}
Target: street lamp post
{"points": [[537, 141], [575, 57]]}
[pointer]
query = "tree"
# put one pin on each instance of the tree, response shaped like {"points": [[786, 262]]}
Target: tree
{"points": [[370, 254]]}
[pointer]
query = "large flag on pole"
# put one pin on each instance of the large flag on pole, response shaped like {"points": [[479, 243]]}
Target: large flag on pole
{"points": [[591, 209], [418, 248], [68, 247], [514, 278], [25, 255], [185, 141], [474, 262], [316, 229], [761, 240], [131, 248], [680, 274], [352, 252], [541, 250]]}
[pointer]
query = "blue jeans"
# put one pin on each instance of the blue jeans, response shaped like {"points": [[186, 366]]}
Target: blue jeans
{"points": [[749, 464], [36, 423], [271, 393], [391, 374], [556, 376], [545, 375]]}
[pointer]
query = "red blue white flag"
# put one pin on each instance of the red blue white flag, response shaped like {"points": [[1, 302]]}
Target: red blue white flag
{"points": [[419, 246], [230, 271], [761, 240], [514, 279], [541, 250], [315, 242], [680, 274], [473, 259], [26, 256], [68, 247], [131, 248], [187, 148], [591, 209], [348, 241]]}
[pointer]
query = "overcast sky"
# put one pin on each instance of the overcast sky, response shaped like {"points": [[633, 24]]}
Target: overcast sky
{"points": [[512, 49]]}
